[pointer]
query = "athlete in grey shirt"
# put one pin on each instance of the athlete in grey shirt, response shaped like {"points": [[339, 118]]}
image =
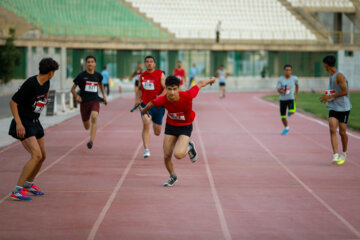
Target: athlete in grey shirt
{"points": [[337, 101], [288, 87]]}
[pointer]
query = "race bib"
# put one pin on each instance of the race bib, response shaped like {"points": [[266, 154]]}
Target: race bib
{"points": [[177, 116], [39, 106], [148, 85], [91, 86], [329, 92]]}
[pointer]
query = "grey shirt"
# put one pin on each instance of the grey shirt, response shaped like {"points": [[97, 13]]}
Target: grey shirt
{"points": [[290, 87], [340, 104]]}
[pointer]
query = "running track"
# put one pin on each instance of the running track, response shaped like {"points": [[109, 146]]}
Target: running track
{"points": [[249, 182]]}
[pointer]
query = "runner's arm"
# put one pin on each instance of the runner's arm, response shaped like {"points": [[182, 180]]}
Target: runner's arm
{"points": [[74, 93], [20, 130], [103, 92], [340, 80], [163, 77], [203, 83], [296, 90]]}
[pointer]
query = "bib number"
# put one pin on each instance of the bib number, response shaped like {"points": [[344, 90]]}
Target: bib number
{"points": [[39, 106], [177, 116], [148, 85], [91, 87]]}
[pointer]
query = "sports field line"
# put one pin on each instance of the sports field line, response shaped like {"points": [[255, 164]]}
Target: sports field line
{"points": [[117, 187], [219, 209], [292, 174], [306, 117], [67, 153]]}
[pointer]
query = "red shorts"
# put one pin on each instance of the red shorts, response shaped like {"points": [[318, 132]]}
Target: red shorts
{"points": [[87, 107]]}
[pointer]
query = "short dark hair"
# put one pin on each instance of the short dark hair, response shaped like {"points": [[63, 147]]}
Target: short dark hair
{"points": [[330, 60], [47, 65], [90, 56], [172, 80], [149, 57], [105, 67], [288, 65]]}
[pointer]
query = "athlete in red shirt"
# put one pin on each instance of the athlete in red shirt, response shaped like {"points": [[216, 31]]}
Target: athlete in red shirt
{"points": [[179, 72], [151, 85], [178, 123]]}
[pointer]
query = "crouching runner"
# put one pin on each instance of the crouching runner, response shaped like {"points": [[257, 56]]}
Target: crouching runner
{"points": [[180, 117]]}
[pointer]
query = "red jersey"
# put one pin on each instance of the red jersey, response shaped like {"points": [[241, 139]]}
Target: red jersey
{"points": [[180, 113], [150, 85], [180, 73]]}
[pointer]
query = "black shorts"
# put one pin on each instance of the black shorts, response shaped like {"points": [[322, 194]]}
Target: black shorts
{"points": [[222, 84], [32, 128], [136, 83], [342, 117], [284, 104], [178, 130]]}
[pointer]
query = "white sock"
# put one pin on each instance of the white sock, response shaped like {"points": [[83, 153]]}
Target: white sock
{"points": [[287, 128], [344, 154], [336, 155]]}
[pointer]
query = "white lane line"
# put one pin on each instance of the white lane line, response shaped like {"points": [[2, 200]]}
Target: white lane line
{"points": [[306, 117], [10, 146], [63, 156], [291, 173], [219, 209], [115, 191]]}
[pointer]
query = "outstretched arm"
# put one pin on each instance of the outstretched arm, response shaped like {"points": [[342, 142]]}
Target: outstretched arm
{"points": [[203, 83]]}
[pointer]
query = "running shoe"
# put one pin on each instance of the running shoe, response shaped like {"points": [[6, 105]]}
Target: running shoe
{"points": [[20, 195], [146, 153], [170, 182], [90, 145], [341, 159], [286, 130], [34, 190], [192, 152], [335, 158]]}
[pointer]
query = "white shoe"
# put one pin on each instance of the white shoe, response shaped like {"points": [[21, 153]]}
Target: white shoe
{"points": [[335, 158], [146, 153], [192, 152]]}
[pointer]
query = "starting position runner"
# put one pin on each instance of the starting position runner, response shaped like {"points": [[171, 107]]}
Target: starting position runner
{"points": [[88, 82], [151, 85], [288, 87], [178, 123], [26, 106], [338, 103]]}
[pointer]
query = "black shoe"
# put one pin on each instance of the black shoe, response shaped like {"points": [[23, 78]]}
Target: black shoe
{"points": [[90, 145], [192, 152], [170, 182]]}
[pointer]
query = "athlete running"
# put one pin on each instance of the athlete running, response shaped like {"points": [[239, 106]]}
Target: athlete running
{"points": [[338, 103], [178, 122], [26, 106], [288, 87], [151, 85], [179, 72], [89, 82]]}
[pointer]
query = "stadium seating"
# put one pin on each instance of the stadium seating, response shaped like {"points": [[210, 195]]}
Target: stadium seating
{"points": [[334, 5], [108, 18], [247, 19]]}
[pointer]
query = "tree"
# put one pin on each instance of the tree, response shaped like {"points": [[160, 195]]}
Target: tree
{"points": [[9, 58]]}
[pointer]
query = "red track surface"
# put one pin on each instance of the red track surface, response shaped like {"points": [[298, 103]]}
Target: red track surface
{"points": [[249, 182]]}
